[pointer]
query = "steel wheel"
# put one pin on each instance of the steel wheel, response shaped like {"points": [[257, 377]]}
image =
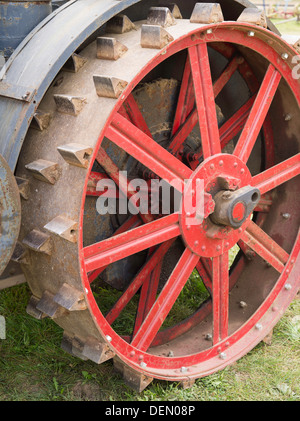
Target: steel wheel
{"points": [[99, 128]]}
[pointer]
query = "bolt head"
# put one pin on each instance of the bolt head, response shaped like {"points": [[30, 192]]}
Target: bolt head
{"points": [[251, 34], [222, 356], [258, 326], [108, 338], [243, 304], [183, 369], [143, 364], [284, 56], [288, 287]]}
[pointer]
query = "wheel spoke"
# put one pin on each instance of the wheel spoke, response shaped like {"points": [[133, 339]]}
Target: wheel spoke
{"points": [[204, 268], [138, 281], [122, 182], [265, 246], [123, 245], [205, 102], [136, 143], [278, 174], [133, 113], [220, 297], [230, 129], [147, 296], [258, 114], [132, 222], [226, 75], [162, 306], [186, 98]]}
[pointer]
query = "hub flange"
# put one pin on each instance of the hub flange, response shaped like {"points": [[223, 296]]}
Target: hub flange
{"points": [[222, 171]]}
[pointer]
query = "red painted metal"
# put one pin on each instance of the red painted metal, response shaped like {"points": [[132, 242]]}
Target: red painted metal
{"points": [[123, 245], [278, 174], [135, 140], [138, 281], [220, 297], [258, 113], [204, 94], [140, 146], [159, 311], [263, 245]]}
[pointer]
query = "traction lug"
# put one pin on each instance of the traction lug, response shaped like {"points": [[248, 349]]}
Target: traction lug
{"points": [[109, 87], [45, 171], [119, 25], [187, 383], [207, 13], [67, 104], [63, 227], [297, 46], [38, 241], [48, 306], [75, 154], [134, 379], [253, 16], [23, 186], [70, 298], [174, 9], [75, 63], [40, 121], [73, 345], [32, 310], [154, 36], [110, 48], [160, 16], [20, 254], [97, 351]]}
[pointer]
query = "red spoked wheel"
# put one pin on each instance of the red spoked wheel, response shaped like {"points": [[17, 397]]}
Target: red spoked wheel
{"points": [[237, 268]]}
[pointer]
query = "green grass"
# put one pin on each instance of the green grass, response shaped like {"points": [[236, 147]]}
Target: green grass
{"points": [[290, 28], [34, 368]]}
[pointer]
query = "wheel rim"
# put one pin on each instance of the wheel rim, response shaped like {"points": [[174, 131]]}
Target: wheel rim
{"points": [[140, 343], [227, 346]]}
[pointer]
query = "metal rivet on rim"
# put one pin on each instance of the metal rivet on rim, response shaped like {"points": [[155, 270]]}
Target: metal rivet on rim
{"points": [[143, 365], [108, 338], [258, 326], [222, 356], [251, 34], [284, 56], [196, 243], [183, 369], [221, 163], [288, 287], [209, 31]]}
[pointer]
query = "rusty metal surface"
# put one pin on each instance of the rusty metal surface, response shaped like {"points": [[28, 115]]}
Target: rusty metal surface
{"points": [[83, 18], [10, 213]]}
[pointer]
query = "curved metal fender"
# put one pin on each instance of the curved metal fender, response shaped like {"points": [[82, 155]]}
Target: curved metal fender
{"points": [[30, 70]]}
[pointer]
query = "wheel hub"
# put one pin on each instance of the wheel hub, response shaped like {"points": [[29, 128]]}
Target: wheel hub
{"points": [[233, 208], [227, 180]]}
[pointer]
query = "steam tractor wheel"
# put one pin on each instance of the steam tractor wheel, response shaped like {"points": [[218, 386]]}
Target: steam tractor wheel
{"points": [[180, 290]]}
